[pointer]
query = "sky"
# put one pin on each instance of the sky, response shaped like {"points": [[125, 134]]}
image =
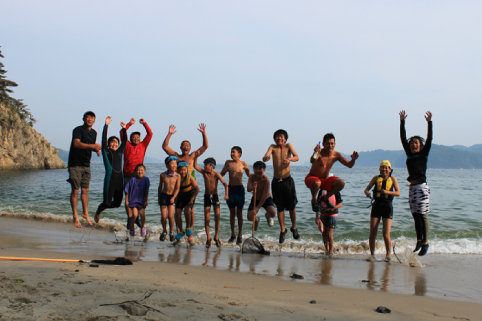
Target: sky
{"points": [[248, 68]]}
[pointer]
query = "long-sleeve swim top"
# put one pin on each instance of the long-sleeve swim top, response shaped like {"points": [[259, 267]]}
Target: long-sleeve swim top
{"points": [[416, 162], [134, 155], [114, 157]]}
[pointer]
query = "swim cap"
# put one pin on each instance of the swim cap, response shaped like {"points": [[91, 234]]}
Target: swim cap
{"points": [[385, 163], [182, 164]]}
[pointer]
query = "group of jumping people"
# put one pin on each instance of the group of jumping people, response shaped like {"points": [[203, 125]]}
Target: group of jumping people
{"points": [[125, 174]]}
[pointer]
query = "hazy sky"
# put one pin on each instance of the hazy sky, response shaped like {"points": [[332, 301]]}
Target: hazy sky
{"points": [[248, 68]]}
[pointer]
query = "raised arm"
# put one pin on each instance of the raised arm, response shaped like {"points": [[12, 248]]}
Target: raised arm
{"points": [[148, 137], [202, 149], [344, 161], [428, 141], [165, 144], [267, 156], [123, 138], [129, 124], [403, 134], [196, 166], [316, 152], [104, 132]]}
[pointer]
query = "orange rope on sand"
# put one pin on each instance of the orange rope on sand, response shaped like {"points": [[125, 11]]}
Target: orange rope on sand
{"points": [[35, 259]]}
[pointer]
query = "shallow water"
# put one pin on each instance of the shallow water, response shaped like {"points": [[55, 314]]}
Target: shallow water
{"points": [[455, 217]]}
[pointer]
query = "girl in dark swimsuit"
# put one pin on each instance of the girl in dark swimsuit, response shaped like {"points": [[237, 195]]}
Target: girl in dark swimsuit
{"points": [[417, 151]]}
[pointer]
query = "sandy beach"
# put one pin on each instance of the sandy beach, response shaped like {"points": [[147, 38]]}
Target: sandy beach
{"points": [[167, 284]]}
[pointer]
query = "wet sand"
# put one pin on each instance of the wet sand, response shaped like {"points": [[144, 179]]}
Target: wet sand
{"points": [[190, 283]]}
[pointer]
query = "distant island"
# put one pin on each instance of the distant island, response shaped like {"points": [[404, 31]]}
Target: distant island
{"points": [[441, 156]]}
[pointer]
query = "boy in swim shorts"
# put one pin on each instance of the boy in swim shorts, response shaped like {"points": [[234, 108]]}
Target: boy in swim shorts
{"points": [[318, 178], [137, 194], [235, 168], [283, 185], [328, 219], [188, 190], [260, 182], [386, 187], [211, 197], [167, 192]]}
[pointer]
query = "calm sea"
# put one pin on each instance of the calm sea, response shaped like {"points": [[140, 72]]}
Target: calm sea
{"points": [[455, 217]]}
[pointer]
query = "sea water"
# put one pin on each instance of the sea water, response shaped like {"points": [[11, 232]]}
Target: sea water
{"points": [[455, 209]]}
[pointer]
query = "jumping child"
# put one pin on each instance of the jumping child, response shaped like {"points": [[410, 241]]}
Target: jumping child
{"points": [[211, 197], [283, 185], [419, 192], [188, 190], [137, 194], [386, 187], [235, 167], [328, 219], [260, 182], [167, 193]]}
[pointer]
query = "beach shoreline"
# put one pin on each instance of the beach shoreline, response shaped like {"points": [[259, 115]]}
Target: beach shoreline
{"points": [[188, 282]]}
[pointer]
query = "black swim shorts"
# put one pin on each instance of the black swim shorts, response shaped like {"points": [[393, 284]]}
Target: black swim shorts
{"points": [[183, 199], [284, 193], [268, 202], [211, 199], [382, 209]]}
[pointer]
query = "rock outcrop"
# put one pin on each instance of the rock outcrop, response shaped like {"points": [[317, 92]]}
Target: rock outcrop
{"points": [[21, 146]]}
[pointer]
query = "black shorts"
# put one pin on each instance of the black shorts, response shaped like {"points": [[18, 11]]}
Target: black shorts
{"points": [[211, 199], [284, 193], [382, 209], [183, 200], [268, 202], [165, 200]]}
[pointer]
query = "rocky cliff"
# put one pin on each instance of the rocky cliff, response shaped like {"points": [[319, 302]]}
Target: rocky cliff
{"points": [[21, 146]]}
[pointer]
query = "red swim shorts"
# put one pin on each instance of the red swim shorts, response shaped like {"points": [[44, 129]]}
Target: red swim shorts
{"points": [[326, 183]]}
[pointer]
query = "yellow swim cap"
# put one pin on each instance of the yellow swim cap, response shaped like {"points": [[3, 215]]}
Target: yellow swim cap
{"points": [[385, 163]]}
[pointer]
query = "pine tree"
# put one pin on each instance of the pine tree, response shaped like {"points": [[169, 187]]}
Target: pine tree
{"points": [[16, 105]]}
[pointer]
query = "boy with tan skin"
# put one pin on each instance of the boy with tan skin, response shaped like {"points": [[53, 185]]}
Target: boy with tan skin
{"points": [[235, 167], [81, 148], [186, 154], [282, 185], [318, 178], [260, 182], [166, 193], [211, 197], [188, 190]]}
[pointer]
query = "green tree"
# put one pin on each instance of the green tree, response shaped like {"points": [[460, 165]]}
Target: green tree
{"points": [[16, 105]]}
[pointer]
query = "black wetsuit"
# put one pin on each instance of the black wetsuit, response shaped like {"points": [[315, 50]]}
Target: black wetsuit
{"points": [[113, 180]]}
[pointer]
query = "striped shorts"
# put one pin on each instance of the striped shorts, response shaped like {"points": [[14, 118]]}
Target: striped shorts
{"points": [[419, 198]]}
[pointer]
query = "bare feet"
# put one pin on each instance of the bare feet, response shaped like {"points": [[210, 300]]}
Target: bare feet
{"points": [[87, 218], [97, 218], [77, 223]]}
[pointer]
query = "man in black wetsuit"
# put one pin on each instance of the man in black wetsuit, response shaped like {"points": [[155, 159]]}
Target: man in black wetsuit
{"points": [[113, 180], [417, 149], [81, 148]]}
